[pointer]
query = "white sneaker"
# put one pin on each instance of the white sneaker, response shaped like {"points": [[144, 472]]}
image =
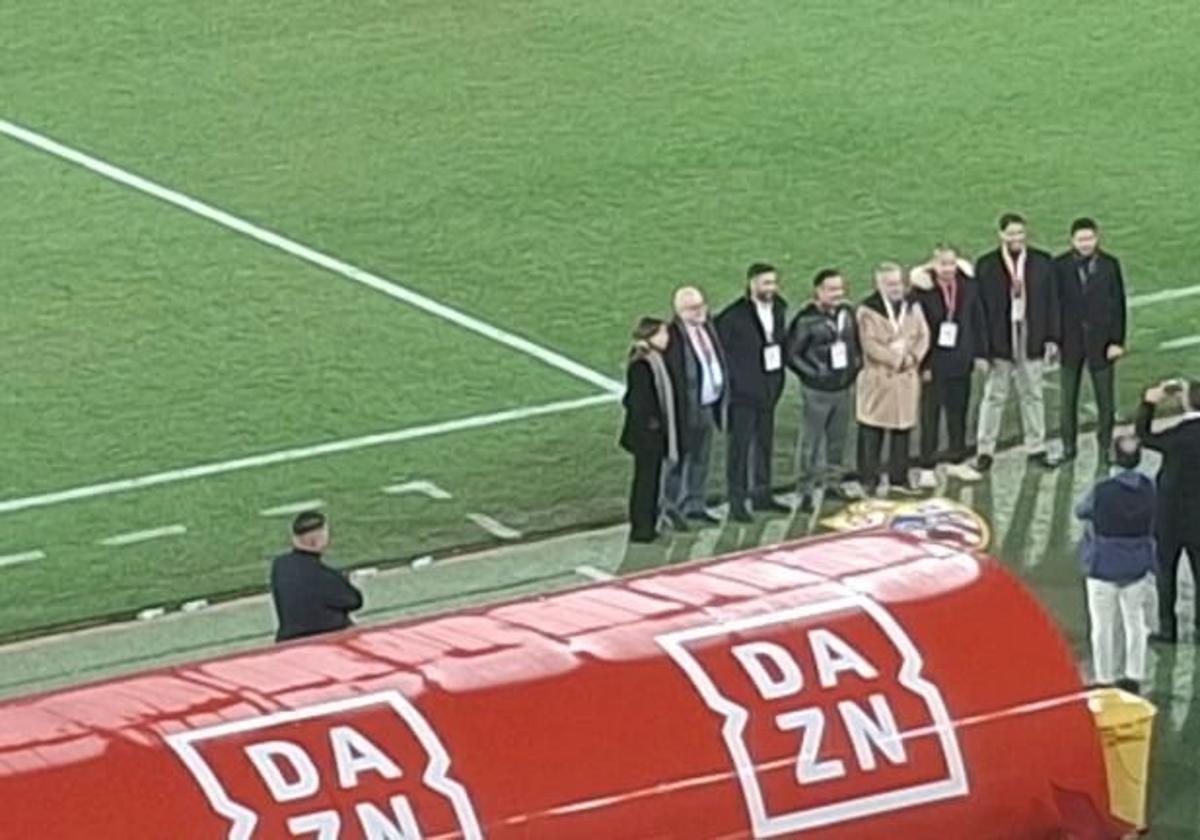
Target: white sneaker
{"points": [[964, 472], [927, 480]]}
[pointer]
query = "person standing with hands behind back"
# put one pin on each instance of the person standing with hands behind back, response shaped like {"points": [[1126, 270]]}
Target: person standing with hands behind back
{"points": [[1091, 294], [752, 331], [651, 431], [895, 338]]}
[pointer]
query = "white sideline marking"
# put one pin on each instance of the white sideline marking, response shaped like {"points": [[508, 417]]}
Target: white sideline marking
{"points": [[142, 536], [592, 573], [294, 507], [1180, 343], [309, 255], [494, 527], [298, 453], [22, 557], [425, 488], [1165, 295]]}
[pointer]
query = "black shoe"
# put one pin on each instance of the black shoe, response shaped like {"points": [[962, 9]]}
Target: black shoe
{"points": [[806, 504], [675, 518], [647, 537], [1068, 455], [739, 513], [1161, 638], [984, 463], [771, 506], [704, 517], [1041, 459], [1126, 684]]}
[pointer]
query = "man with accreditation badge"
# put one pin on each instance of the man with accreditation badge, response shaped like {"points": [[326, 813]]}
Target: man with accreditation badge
{"points": [[823, 351], [954, 313], [751, 330], [1020, 306]]}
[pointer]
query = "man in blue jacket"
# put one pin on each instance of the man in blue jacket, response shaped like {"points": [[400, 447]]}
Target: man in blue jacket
{"points": [[1118, 554]]}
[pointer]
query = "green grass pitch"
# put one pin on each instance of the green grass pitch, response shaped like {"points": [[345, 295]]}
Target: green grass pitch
{"points": [[553, 168]]}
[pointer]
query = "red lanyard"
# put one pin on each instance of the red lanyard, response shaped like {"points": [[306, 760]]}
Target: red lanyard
{"points": [[950, 296]]}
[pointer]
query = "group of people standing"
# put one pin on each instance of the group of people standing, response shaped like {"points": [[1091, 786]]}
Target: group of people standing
{"points": [[900, 360]]}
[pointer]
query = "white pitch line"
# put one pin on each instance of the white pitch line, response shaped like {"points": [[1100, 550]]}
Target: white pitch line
{"points": [[425, 488], [22, 557], [310, 255], [1180, 343], [592, 573], [144, 536], [494, 526], [1165, 295], [298, 453], [294, 507]]}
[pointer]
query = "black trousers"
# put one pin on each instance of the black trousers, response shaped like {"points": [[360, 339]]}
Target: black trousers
{"points": [[644, 495], [748, 465], [1169, 550], [1103, 387], [949, 396], [870, 449]]}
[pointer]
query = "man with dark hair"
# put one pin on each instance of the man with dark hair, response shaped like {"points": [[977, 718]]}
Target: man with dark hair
{"points": [[751, 330], [698, 370], [310, 597], [823, 351], [1020, 307], [950, 301], [1092, 310], [1118, 557], [1178, 493]]}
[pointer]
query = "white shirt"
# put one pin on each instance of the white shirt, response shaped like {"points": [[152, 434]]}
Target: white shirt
{"points": [[766, 317], [712, 378]]}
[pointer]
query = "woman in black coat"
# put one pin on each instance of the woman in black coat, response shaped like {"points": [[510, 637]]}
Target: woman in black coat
{"points": [[650, 432]]}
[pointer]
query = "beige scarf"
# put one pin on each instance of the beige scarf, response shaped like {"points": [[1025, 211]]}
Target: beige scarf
{"points": [[1016, 270], [666, 394]]}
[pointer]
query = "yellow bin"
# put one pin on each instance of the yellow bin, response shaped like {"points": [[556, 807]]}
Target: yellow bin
{"points": [[1126, 725]]}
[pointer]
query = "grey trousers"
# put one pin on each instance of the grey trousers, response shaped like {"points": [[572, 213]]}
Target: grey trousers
{"points": [[685, 485], [824, 423]]}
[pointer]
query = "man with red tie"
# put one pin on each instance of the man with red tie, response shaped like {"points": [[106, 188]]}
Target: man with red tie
{"points": [[697, 365]]}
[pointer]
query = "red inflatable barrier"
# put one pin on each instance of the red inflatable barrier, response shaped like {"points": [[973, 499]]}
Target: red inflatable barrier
{"points": [[868, 686]]}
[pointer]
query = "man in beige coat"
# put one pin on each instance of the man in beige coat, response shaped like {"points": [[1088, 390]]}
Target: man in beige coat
{"points": [[895, 338]]}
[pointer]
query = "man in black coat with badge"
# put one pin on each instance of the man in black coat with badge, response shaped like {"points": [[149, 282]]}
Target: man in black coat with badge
{"points": [[1018, 288], [1092, 307], [952, 307], [752, 330], [310, 597]]}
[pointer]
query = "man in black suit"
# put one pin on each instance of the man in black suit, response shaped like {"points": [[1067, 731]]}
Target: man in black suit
{"points": [[698, 368], [1178, 525], [310, 597], [752, 330], [1092, 307], [949, 299], [1020, 307]]}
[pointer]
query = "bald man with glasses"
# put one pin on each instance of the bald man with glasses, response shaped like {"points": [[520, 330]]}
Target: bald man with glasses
{"points": [[698, 370]]}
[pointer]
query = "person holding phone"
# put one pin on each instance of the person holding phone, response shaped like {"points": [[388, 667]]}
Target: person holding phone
{"points": [[1178, 522]]}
